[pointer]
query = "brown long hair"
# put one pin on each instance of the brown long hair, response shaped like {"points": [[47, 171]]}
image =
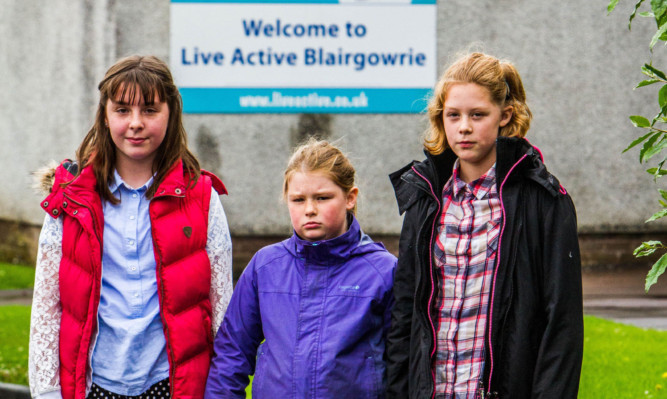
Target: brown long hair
{"points": [[146, 77], [500, 78]]}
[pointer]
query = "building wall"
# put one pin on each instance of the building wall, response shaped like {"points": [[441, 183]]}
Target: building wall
{"points": [[578, 66]]}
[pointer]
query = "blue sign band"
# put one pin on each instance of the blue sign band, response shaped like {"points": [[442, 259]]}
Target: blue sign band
{"points": [[260, 1], [306, 100], [292, 2]]}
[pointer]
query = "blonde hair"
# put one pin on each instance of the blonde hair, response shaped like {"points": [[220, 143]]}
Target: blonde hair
{"points": [[500, 78], [321, 156], [144, 78]]}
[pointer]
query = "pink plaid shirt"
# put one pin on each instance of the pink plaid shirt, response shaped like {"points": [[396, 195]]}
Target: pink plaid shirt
{"points": [[465, 255]]}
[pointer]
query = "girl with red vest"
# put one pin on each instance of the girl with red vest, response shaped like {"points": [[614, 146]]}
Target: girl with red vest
{"points": [[134, 265]]}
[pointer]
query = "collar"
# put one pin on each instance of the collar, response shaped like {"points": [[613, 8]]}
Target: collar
{"points": [[516, 158], [118, 181], [479, 188], [328, 252]]}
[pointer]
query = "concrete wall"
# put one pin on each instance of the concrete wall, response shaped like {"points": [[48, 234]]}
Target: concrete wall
{"points": [[578, 65]]}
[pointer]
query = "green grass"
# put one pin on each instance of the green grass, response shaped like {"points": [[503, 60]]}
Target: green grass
{"points": [[14, 277], [14, 329], [622, 361], [619, 361]]}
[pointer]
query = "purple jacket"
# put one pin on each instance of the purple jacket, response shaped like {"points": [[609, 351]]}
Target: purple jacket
{"points": [[322, 310]]}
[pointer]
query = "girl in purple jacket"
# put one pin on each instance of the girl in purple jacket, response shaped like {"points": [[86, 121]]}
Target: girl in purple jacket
{"points": [[309, 315]]}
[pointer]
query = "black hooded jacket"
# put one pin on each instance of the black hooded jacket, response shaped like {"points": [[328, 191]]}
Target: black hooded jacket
{"points": [[534, 337]]}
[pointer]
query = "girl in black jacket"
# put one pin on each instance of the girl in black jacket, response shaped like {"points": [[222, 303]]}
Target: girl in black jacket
{"points": [[488, 282]]}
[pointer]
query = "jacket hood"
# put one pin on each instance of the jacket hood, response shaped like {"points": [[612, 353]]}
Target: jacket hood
{"points": [[49, 178], [175, 182], [45, 177], [54, 204], [528, 162], [516, 158], [353, 242]]}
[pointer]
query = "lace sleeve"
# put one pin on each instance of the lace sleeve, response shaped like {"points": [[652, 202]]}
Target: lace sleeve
{"points": [[219, 249], [43, 357]]}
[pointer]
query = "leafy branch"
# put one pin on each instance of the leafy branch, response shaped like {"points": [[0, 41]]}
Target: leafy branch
{"points": [[653, 142]]}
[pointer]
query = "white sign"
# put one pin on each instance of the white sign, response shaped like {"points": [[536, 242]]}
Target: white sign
{"points": [[310, 56]]}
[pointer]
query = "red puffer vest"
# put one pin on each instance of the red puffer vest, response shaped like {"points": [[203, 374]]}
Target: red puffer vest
{"points": [[179, 224]]}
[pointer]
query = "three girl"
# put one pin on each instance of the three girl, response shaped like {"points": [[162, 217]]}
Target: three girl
{"points": [[309, 315], [488, 282], [134, 265]]}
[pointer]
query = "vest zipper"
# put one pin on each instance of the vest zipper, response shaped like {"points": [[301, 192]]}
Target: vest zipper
{"points": [[158, 270], [165, 327], [97, 292]]}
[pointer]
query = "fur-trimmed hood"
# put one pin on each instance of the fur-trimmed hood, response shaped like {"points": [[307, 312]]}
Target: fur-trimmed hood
{"points": [[45, 176]]}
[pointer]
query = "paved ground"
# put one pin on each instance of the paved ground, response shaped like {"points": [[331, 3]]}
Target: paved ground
{"points": [[15, 297], [619, 295], [616, 295]]}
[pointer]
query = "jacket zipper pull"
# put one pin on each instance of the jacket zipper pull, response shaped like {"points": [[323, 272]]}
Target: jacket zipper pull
{"points": [[480, 390]]}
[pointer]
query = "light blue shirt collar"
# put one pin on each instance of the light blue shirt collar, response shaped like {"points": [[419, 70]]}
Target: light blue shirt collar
{"points": [[118, 181]]}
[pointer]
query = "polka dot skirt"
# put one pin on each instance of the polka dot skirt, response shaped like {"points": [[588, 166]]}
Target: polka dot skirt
{"points": [[159, 390]]}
